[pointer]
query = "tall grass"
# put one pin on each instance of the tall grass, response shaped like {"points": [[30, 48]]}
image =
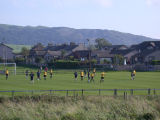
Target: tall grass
{"points": [[79, 108]]}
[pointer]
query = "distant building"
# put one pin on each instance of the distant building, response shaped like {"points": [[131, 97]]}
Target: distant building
{"points": [[102, 55], [6, 53], [54, 51]]}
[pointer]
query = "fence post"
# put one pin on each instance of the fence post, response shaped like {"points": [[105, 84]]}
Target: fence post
{"points": [[32, 92], [115, 92], [149, 91], [131, 91], [12, 94], [99, 91], [82, 92], [154, 91], [67, 93], [124, 95], [74, 93], [50, 92]]}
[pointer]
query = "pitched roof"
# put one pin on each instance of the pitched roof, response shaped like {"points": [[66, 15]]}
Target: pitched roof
{"points": [[61, 47], [80, 54], [143, 46], [102, 53], [54, 53], [6, 46]]}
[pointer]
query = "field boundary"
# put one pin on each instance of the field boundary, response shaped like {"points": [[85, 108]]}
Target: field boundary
{"points": [[125, 92]]}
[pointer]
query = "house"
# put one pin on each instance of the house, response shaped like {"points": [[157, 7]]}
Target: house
{"points": [[102, 55], [127, 54], [116, 47], [6, 53], [147, 51], [50, 55], [72, 47], [81, 54], [36, 51], [54, 51]]}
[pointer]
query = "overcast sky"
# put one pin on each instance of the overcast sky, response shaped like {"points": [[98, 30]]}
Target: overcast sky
{"points": [[141, 17]]}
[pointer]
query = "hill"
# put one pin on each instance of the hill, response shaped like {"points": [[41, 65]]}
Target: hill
{"points": [[28, 35]]}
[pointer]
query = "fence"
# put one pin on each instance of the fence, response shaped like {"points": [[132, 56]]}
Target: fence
{"points": [[82, 92]]}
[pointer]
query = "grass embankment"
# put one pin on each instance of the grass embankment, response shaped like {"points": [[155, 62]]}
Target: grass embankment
{"points": [[80, 108]]}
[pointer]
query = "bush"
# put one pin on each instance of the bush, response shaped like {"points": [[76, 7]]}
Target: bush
{"points": [[146, 116], [64, 64], [19, 60], [67, 117], [155, 62]]}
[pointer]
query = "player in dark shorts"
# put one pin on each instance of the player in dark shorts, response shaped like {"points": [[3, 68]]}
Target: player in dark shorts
{"points": [[32, 77], [27, 73], [75, 75], [38, 75], [102, 77], [132, 75], [45, 75], [92, 77]]}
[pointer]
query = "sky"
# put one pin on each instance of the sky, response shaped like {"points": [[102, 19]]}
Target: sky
{"points": [[140, 17]]}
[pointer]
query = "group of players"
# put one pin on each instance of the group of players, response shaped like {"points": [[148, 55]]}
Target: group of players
{"points": [[89, 74], [39, 74], [83, 74]]}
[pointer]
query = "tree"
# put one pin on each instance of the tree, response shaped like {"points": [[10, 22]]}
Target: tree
{"points": [[63, 52], [39, 60], [25, 53], [102, 43], [118, 60]]}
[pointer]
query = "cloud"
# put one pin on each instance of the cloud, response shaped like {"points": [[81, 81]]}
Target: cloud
{"points": [[153, 2], [102, 3]]}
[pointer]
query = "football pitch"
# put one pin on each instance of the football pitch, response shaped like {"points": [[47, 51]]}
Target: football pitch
{"points": [[64, 80]]}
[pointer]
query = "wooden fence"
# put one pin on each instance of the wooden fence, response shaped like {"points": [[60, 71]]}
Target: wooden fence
{"points": [[86, 92]]}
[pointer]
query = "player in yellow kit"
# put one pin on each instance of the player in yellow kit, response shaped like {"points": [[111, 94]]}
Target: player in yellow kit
{"points": [[133, 74], [51, 73], [7, 73], [92, 77], [45, 75], [102, 77], [82, 75]]}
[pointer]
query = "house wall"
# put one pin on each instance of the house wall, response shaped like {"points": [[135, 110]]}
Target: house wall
{"points": [[129, 55], [5, 52], [153, 56], [108, 59]]}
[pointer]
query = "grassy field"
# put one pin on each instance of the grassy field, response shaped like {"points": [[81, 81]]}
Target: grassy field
{"points": [[17, 48], [64, 80]]}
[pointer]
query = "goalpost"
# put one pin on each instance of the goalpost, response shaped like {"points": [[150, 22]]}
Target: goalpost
{"points": [[10, 66]]}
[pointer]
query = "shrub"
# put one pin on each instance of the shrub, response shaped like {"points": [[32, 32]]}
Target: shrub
{"points": [[67, 117], [155, 62]]}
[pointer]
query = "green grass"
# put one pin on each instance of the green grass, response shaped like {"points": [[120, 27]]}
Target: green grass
{"points": [[64, 80], [80, 108], [17, 48]]}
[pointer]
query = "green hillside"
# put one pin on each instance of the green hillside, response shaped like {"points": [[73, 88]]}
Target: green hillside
{"points": [[29, 35], [17, 48]]}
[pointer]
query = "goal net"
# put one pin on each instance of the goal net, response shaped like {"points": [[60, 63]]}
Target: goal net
{"points": [[11, 67]]}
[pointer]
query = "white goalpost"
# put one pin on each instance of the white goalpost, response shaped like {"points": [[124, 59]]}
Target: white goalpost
{"points": [[4, 66]]}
